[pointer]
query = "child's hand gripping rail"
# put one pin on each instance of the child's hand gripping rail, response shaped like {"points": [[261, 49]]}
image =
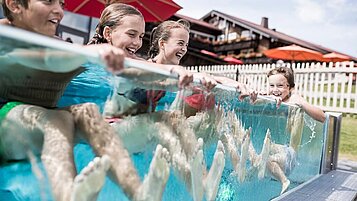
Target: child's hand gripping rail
{"points": [[274, 101], [144, 66]]}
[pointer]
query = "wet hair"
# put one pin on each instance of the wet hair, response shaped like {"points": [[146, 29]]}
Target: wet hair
{"points": [[286, 72], [163, 32], [7, 12], [111, 17]]}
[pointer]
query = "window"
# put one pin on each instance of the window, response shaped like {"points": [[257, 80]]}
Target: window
{"points": [[220, 37], [245, 34], [75, 21], [1, 13], [93, 25], [79, 28], [232, 36]]}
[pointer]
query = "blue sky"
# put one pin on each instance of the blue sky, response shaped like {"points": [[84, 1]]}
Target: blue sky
{"points": [[329, 23]]}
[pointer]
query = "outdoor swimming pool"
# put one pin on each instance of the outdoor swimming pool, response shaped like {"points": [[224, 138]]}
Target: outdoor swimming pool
{"points": [[19, 183], [21, 180]]}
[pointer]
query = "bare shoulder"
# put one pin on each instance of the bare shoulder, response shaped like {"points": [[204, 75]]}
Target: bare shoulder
{"points": [[295, 98]]}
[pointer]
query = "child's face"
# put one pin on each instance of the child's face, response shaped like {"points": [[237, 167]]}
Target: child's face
{"points": [[175, 47], [41, 16], [279, 86], [129, 34]]}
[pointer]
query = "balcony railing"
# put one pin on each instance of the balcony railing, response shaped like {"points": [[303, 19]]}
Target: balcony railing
{"points": [[194, 43], [235, 46]]}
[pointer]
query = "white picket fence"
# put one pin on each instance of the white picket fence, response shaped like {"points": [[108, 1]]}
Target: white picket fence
{"points": [[330, 86]]}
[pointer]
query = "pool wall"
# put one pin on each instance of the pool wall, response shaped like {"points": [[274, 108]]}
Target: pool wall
{"points": [[16, 176]]}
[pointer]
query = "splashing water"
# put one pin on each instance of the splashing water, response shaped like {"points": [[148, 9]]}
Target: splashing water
{"points": [[311, 125]]}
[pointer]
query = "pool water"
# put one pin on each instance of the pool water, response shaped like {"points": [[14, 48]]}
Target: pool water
{"points": [[22, 180], [17, 182]]}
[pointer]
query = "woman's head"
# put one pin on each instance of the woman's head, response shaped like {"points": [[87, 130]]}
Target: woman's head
{"points": [[169, 41], [281, 82], [121, 25], [34, 15]]}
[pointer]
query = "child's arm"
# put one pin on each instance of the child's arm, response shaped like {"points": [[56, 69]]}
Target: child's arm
{"points": [[242, 88], [184, 77], [315, 112]]}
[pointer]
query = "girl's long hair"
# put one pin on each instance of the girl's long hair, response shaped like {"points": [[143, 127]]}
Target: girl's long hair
{"points": [[111, 17]]}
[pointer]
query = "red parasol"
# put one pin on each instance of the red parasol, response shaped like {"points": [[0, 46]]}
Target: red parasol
{"points": [[232, 60], [335, 57], [209, 53], [152, 10], [293, 52]]}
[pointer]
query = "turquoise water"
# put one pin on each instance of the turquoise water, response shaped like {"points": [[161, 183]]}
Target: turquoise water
{"points": [[260, 118], [18, 183]]}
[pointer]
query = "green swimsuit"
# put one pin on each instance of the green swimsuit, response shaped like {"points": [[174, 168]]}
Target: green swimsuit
{"points": [[6, 108], [3, 112]]}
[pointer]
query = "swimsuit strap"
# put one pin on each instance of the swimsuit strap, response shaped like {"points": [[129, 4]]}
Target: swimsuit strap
{"points": [[153, 96]]}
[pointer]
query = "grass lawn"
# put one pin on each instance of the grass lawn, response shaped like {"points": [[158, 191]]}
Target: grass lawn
{"points": [[348, 139], [348, 135]]}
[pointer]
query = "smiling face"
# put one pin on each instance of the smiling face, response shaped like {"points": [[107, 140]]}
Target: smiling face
{"points": [[172, 50], [41, 16], [279, 86], [128, 35]]}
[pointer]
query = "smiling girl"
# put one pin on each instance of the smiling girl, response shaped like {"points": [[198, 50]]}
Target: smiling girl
{"points": [[169, 43]]}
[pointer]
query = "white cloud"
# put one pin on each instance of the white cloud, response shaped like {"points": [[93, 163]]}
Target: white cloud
{"points": [[310, 11], [342, 12], [336, 4]]}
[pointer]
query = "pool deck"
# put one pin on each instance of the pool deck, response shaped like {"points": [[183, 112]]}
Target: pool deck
{"points": [[337, 185]]}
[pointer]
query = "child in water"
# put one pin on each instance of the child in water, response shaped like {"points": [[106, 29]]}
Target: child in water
{"points": [[280, 158]]}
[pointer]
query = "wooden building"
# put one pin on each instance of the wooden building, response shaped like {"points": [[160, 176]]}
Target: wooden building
{"points": [[227, 35]]}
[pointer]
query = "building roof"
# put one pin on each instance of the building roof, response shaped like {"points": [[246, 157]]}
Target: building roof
{"points": [[200, 25], [271, 33]]}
